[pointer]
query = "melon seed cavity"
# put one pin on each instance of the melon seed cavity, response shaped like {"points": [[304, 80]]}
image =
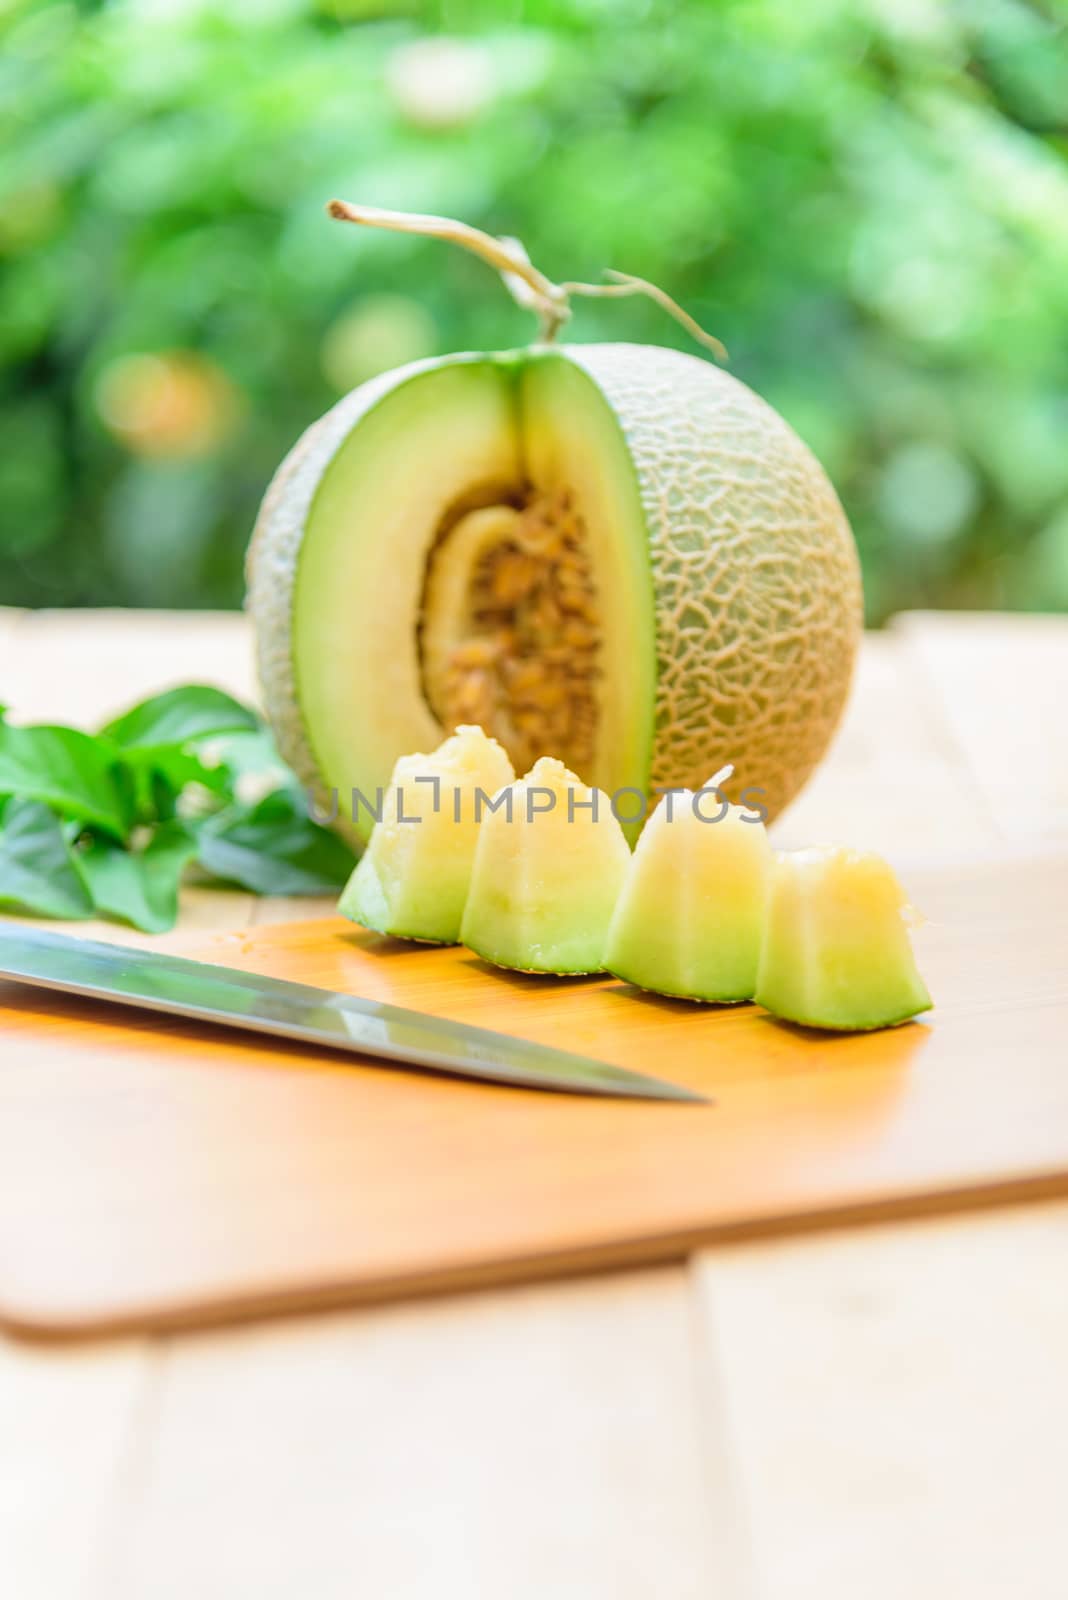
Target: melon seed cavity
{"points": [[510, 637]]}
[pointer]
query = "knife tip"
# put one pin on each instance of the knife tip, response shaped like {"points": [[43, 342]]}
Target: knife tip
{"points": [[659, 1089]]}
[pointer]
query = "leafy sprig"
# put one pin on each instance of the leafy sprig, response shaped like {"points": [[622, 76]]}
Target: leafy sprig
{"points": [[107, 824]]}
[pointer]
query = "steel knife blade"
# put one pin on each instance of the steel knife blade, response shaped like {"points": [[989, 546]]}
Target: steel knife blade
{"points": [[157, 981]]}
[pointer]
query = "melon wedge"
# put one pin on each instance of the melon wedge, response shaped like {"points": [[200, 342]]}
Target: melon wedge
{"points": [[690, 918], [413, 878], [548, 869], [836, 951], [615, 554]]}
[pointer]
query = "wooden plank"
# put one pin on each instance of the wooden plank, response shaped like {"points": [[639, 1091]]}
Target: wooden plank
{"points": [[309, 1159], [1000, 685], [69, 1425], [898, 1406], [544, 1442], [269, 909], [68, 1428], [894, 780], [83, 666], [201, 910], [10, 622]]}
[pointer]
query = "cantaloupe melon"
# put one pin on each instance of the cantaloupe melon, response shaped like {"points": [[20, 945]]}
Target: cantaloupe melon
{"points": [[613, 553], [690, 918], [836, 951], [550, 862], [412, 879]]}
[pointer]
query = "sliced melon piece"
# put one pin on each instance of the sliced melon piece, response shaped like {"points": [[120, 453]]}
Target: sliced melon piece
{"points": [[690, 919], [615, 554], [413, 878], [836, 950], [549, 866]]}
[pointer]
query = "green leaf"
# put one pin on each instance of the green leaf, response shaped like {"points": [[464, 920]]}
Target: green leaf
{"points": [[152, 780], [178, 717], [137, 886], [68, 770], [274, 848], [256, 754], [158, 740], [36, 874]]}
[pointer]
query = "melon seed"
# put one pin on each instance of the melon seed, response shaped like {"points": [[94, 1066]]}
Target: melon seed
{"points": [[525, 663]]}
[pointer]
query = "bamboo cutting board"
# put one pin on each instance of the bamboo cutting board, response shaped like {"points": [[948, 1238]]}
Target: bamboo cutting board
{"points": [[163, 1176]]}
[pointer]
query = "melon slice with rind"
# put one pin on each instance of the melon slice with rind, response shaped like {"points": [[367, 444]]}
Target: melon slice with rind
{"points": [[413, 878], [690, 919], [836, 951], [550, 863]]}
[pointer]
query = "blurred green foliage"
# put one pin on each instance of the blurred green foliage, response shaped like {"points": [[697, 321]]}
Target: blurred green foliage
{"points": [[866, 199]]}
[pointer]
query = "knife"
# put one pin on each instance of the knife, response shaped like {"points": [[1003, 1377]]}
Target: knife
{"points": [[155, 981]]}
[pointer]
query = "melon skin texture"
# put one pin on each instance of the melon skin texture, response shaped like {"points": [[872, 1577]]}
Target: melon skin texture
{"points": [[413, 878], [836, 951], [690, 919], [546, 876], [726, 575]]}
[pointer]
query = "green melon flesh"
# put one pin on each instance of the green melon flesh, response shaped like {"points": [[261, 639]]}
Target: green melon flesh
{"points": [[342, 671], [690, 919], [413, 878], [546, 877], [726, 582], [836, 950]]}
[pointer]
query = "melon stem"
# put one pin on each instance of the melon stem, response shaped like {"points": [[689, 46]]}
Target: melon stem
{"points": [[529, 288], [507, 256]]}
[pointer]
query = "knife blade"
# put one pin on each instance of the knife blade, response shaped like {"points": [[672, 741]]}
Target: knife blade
{"points": [[156, 981]]}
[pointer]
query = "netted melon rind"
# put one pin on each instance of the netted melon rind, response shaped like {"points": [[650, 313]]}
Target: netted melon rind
{"points": [[759, 604]]}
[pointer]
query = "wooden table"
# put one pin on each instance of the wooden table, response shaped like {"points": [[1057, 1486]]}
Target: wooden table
{"points": [[879, 1412]]}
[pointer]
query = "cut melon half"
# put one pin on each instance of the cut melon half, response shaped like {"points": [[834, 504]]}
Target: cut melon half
{"points": [[690, 919], [614, 554], [836, 951], [446, 574], [412, 879], [548, 870]]}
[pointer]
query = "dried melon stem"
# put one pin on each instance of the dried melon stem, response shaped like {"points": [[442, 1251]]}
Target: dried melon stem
{"points": [[510, 634], [528, 287]]}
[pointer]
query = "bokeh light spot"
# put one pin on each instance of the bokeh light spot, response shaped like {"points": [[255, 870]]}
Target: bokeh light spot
{"points": [[382, 331], [927, 492], [172, 404]]}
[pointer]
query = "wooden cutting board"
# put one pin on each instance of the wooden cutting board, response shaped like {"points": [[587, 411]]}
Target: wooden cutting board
{"points": [[168, 1175]]}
